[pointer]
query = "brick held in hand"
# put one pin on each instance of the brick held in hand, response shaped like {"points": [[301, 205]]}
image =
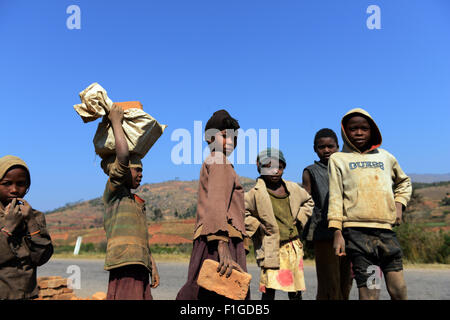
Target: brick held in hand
{"points": [[235, 287], [130, 104]]}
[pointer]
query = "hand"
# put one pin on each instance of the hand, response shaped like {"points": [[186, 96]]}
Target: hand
{"points": [[264, 229], [155, 274], [13, 216], [226, 262], [339, 243], [155, 277], [25, 209], [115, 114], [399, 209]]}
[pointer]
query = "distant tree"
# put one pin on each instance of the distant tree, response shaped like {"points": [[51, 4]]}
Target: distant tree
{"points": [[189, 213], [445, 201], [157, 214]]}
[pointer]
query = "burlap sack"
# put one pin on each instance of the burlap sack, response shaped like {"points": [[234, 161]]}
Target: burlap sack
{"points": [[141, 130]]}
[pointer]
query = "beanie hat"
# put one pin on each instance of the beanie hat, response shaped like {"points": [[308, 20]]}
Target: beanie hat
{"points": [[270, 153]]}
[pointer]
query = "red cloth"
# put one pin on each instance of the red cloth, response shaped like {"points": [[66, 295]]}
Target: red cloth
{"points": [[130, 282]]}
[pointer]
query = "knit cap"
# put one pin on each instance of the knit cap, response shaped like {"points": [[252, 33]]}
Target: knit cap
{"points": [[270, 153], [9, 161]]}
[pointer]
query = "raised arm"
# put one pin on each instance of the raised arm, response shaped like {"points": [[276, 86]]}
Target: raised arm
{"points": [[116, 117]]}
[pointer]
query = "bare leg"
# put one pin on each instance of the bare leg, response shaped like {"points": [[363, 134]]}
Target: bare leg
{"points": [[396, 285], [368, 294]]}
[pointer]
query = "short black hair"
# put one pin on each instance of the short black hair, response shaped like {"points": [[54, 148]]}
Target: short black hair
{"points": [[325, 133]]}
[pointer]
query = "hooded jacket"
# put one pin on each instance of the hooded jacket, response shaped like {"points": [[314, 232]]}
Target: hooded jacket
{"points": [[364, 186]]}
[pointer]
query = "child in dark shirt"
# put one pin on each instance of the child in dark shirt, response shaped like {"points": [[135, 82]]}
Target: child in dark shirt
{"points": [[333, 272]]}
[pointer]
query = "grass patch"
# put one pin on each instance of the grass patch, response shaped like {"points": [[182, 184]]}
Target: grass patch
{"points": [[435, 224], [423, 246]]}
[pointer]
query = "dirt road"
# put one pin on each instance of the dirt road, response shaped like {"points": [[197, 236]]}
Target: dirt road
{"points": [[423, 284]]}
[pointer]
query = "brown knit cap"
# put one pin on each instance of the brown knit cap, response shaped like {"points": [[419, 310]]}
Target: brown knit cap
{"points": [[9, 161], [220, 120]]}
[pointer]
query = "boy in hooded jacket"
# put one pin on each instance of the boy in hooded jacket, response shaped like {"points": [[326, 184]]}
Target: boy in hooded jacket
{"points": [[368, 191]]}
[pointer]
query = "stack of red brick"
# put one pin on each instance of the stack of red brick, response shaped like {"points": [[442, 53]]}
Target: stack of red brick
{"points": [[58, 288]]}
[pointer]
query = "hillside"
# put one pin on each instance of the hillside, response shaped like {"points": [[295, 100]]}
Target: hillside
{"points": [[169, 204], [429, 178], [171, 208], [430, 204]]}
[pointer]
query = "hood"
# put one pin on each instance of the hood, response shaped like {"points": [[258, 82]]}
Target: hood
{"points": [[375, 132], [9, 161]]}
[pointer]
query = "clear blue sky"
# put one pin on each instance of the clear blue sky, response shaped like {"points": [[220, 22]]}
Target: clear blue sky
{"points": [[291, 65]]}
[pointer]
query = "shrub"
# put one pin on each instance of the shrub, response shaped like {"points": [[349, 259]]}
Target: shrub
{"points": [[422, 246], [184, 248], [87, 247]]}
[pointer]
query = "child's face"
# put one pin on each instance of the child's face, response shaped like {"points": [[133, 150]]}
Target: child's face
{"points": [[272, 172], [225, 141], [358, 132], [325, 147], [136, 177], [13, 185]]}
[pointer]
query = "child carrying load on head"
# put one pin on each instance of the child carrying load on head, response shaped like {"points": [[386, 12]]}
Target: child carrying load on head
{"points": [[25, 243], [128, 257], [368, 193], [276, 212], [219, 230]]}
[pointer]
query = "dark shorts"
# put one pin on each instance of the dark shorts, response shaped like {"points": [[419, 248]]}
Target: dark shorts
{"points": [[372, 247]]}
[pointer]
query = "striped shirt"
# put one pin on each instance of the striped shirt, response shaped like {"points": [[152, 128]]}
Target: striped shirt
{"points": [[125, 222]]}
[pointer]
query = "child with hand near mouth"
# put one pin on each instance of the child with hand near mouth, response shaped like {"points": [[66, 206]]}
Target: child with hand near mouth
{"points": [[25, 243]]}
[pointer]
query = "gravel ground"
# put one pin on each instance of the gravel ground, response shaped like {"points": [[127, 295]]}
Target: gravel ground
{"points": [[422, 283]]}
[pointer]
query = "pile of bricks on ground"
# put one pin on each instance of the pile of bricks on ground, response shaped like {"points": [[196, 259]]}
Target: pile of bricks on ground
{"points": [[58, 288]]}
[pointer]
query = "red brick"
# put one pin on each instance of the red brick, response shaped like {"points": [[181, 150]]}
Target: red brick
{"points": [[63, 296], [129, 104], [67, 290], [235, 287], [52, 283], [48, 278], [99, 296], [50, 292]]}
